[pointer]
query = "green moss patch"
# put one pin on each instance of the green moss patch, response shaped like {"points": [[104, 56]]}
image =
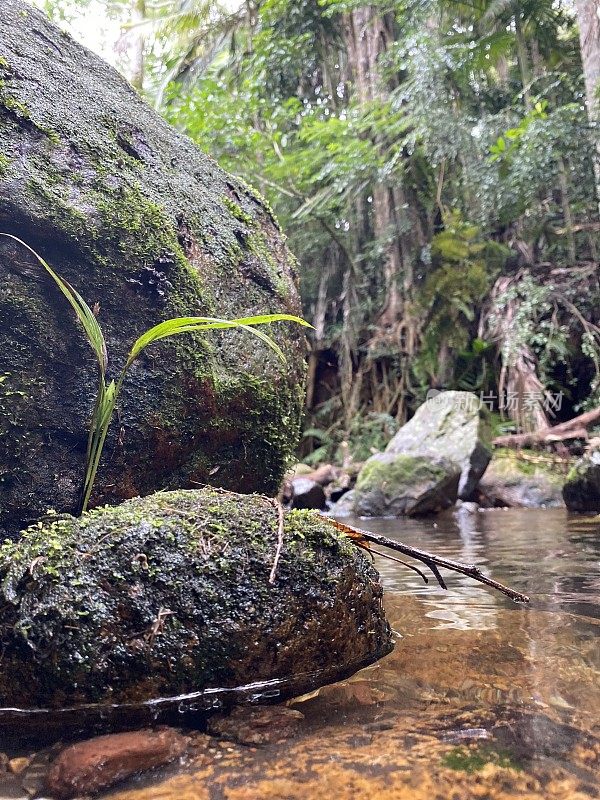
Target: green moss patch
{"points": [[474, 759], [402, 470], [171, 594]]}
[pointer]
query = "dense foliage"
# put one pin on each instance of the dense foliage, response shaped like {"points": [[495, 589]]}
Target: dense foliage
{"points": [[432, 163]]}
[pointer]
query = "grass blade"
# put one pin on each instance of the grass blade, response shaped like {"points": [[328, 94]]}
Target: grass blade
{"points": [[177, 325], [107, 395], [84, 313]]}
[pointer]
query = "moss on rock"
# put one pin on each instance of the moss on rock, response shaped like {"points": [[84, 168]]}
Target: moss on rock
{"points": [[170, 594], [454, 425], [581, 491], [513, 480], [391, 485], [146, 227]]}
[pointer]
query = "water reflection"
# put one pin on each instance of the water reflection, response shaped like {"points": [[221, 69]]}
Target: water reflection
{"points": [[549, 556]]}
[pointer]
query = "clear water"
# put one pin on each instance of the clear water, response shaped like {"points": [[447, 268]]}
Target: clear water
{"points": [[481, 698]]}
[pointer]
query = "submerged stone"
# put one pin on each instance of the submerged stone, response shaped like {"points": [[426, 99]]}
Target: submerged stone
{"points": [[88, 767], [170, 594], [146, 227], [255, 726]]}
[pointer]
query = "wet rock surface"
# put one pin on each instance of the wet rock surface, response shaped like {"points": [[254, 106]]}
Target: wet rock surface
{"points": [[344, 507], [481, 700], [146, 227], [391, 484], [90, 766], [307, 493], [447, 716], [581, 491], [436, 458], [452, 425], [515, 483], [170, 594]]}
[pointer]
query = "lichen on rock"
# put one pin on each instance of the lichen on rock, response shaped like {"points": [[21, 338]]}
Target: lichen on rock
{"points": [[436, 457], [392, 484]]}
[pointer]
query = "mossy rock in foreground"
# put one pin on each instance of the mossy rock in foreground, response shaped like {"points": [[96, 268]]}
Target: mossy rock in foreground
{"points": [[170, 594], [146, 227]]}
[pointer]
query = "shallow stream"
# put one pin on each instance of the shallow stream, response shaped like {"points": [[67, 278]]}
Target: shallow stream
{"points": [[481, 698]]}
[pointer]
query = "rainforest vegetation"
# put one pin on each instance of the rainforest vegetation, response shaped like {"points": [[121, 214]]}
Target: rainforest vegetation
{"points": [[436, 168]]}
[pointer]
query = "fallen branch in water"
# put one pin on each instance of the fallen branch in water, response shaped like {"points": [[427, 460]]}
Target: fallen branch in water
{"points": [[419, 572], [362, 537]]}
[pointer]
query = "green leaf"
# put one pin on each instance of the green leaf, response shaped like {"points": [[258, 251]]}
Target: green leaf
{"points": [[177, 325], [84, 313], [107, 395]]}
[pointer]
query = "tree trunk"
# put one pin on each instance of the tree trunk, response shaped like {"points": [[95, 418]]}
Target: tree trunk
{"points": [[588, 17], [138, 60], [368, 35], [523, 58], [319, 326], [520, 389]]}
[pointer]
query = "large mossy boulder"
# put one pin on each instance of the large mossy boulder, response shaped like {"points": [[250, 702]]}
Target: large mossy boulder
{"points": [[451, 425], [171, 594], [146, 227], [581, 491], [391, 485]]}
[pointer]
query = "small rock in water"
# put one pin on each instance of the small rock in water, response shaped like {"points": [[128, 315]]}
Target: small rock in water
{"points": [[88, 767], [10, 788], [581, 491], [255, 726], [514, 483], [307, 494], [19, 765], [344, 507], [451, 425], [324, 475], [463, 507]]}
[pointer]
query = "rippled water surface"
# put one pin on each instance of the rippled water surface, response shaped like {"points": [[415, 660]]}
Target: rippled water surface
{"points": [[481, 698]]}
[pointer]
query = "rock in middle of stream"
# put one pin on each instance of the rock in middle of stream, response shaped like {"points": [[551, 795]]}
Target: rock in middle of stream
{"points": [[170, 594], [437, 457]]}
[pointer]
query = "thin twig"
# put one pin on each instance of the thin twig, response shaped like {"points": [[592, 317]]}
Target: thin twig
{"points": [[279, 507], [399, 561], [433, 562]]}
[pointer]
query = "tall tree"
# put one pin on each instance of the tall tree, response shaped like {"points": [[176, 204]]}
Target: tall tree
{"points": [[588, 18]]}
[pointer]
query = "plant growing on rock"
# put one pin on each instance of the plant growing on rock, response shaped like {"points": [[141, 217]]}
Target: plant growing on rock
{"points": [[108, 391]]}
